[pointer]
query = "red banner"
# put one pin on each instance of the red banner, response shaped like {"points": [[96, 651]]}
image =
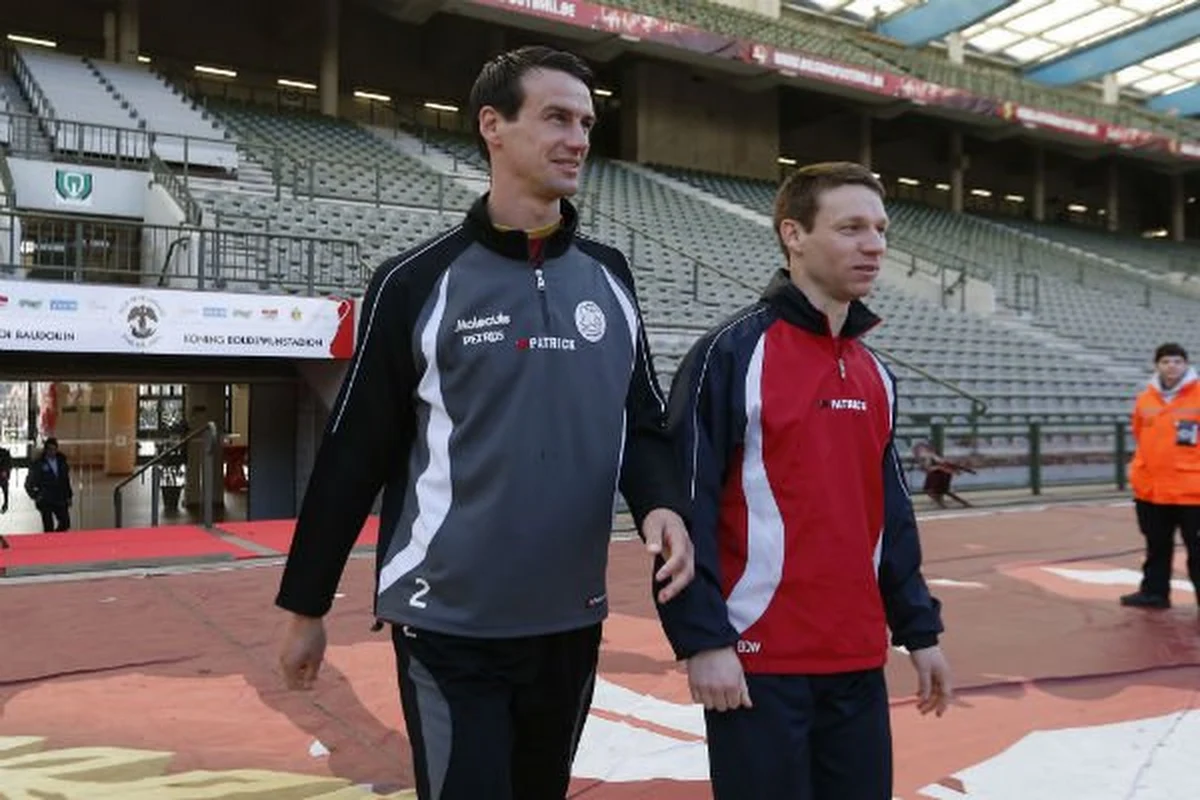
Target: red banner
{"points": [[889, 84], [629, 24]]}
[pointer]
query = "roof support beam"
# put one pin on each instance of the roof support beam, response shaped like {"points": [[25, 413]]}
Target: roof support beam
{"points": [[934, 19], [1117, 52]]}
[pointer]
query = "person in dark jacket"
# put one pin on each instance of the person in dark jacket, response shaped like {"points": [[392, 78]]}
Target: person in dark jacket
{"points": [[806, 543], [48, 483], [5, 475], [501, 390]]}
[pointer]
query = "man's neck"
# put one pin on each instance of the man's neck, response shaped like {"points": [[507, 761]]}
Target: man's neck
{"points": [[834, 310], [514, 210]]}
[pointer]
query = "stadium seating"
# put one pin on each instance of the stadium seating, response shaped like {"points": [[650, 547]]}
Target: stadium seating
{"points": [[62, 90], [381, 231], [319, 157], [173, 118], [1079, 296], [1159, 255], [111, 110], [5, 122]]}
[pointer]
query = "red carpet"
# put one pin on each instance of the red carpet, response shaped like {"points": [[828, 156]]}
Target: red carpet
{"points": [[277, 533], [147, 547], [122, 547]]}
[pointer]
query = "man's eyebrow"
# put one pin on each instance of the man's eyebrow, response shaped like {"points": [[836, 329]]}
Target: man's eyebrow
{"points": [[555, 108]]}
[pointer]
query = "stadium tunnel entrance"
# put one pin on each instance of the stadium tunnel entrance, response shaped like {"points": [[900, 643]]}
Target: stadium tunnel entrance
{"points": [[120, 418]]}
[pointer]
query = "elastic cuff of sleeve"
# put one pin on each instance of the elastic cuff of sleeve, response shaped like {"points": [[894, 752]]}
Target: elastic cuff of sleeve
{"points": [[921, 642]]}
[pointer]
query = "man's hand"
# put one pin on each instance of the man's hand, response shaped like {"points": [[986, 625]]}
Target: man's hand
{"points": [[665, 533], [717, 681], [302, 651], [935, 687]]}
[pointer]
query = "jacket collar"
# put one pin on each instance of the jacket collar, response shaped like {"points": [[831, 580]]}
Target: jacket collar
{"points": [[515, 244], [793, 306], [1187, 379]]}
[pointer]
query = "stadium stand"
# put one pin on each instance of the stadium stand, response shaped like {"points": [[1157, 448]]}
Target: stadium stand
{"points": [[810, 36], [382, 231], [182, 130], [372, 194], [121, 111], [1156, 254], [5, 121], [817, 35], [61, 88], [296, 147], [1079, 295]]}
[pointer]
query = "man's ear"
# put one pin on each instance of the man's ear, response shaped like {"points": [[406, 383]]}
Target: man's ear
{"points": [[793, 235], [489, 126]]}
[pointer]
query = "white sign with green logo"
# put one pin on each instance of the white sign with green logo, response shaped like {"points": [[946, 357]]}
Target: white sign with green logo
{"points": [[73, 187], [65, 188]]}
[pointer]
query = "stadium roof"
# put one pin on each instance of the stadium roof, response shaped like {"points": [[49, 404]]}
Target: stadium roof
{"points": [[1153, 46]]}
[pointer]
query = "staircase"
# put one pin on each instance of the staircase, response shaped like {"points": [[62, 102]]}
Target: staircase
{"points": [[465, 175], [28, 138], [252, 177]]}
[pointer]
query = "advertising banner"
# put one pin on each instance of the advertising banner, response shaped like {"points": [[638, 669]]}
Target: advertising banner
{"points": [[630, 24], [40, 316]]}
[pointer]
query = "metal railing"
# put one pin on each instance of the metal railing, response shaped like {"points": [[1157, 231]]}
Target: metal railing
{"points": [[72, 141], [308, 177], [177, 188], [169, 459], [37, 98], [1032, 455], [70, 248]]}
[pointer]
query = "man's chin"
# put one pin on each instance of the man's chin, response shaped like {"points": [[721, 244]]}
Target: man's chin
{"points": [[861, 290], [563, 187]]}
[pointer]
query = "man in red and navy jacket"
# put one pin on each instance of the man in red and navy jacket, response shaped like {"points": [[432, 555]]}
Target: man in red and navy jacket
{"points": [[806, 544]]}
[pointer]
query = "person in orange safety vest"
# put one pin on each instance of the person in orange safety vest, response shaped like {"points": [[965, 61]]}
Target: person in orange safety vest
{"points": [[1165, 474]]}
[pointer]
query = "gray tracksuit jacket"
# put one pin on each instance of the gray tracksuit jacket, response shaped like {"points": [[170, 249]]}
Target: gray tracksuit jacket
{"points": [[501, 393]]}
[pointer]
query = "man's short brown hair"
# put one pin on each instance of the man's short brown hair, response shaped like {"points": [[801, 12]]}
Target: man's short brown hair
{"points": [[800, 195]]}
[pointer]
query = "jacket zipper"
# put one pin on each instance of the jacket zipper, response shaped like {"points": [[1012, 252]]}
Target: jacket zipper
{"points": [[839, 356], [539, 277], [835, 345]]}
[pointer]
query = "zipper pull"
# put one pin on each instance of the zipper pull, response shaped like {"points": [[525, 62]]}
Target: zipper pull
{"points": [[842, 367], [541, 280]]}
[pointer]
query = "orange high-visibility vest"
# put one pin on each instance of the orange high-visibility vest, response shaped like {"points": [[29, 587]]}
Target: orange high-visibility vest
{"points": [[1166, 464]]}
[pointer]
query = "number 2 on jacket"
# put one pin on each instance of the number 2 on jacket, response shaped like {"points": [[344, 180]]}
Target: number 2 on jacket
{"points": [[415, 601]]}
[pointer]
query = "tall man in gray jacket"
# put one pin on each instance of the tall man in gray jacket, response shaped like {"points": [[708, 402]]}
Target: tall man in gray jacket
{"points": [[501, 391]]}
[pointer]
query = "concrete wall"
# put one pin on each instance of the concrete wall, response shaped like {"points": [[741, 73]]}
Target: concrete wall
{"points": [[674, 118]]}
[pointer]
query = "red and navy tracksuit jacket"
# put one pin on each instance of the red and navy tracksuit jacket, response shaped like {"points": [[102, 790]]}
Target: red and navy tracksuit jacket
{"points": [[806, 543]]}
